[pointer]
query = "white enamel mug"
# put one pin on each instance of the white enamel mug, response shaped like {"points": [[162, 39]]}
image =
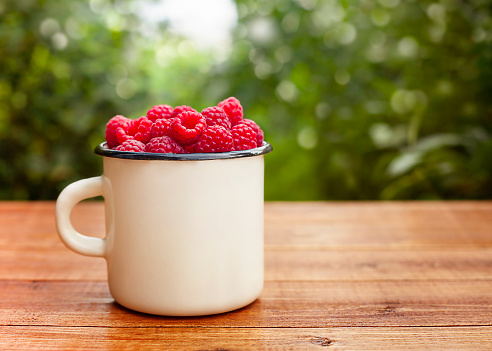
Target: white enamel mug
{"points": [[184, 232]]}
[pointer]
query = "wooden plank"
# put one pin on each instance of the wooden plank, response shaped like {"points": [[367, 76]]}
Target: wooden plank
{"points": [[63, 264], [282, 304], [50, 264], [378, 225], [32, 224], [378, 265], [70, 338], [296, 226]]}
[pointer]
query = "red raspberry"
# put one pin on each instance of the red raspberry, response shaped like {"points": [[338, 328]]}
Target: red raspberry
{"points": [[131, 145], [164, 145], [259, 133], [140, 129], [187, 127], [116, 130], [162, 127], [244, 137], [159, 111], [213, 139], [232, 107], [180, 109], [216, 116]]}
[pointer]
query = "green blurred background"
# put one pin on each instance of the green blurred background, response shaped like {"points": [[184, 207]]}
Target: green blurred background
{"points": [[362, 100]]}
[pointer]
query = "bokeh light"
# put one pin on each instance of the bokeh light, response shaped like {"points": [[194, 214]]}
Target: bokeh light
{"points": [[374, 99]]}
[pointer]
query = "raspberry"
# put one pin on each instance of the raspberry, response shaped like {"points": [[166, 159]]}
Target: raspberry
{"points": [[180, 109], [131, 145], [233, 109], [220, 128], [140, 129], [244, 137], [159, 111], [187, 127], [116, 130], [164, 145], [259, 133], [216, 116], [162, 127], [213, 139]]}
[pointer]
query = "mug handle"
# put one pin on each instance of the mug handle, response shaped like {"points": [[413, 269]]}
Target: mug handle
{"points": [[68, 198]]}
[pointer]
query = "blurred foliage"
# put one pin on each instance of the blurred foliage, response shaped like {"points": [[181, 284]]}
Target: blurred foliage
{"points": [[370, 99]]}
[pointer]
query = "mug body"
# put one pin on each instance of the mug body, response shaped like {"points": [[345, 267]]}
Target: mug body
{"points": [[184, 237]]}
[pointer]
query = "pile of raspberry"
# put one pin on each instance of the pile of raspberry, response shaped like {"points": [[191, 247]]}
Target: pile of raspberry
{"points": [[182, 129]]}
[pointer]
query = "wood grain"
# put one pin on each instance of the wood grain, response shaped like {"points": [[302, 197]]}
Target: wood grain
{"points": [[296, 226], [282, 304], [378, 226], [321, 265], [399, 338], [349, 275]]}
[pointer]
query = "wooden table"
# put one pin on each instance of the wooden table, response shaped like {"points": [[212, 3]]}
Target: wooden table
{"points": [[358, 275]]}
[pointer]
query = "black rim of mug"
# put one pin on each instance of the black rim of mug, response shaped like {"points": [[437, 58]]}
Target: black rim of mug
{"points": [[103, 150]]}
